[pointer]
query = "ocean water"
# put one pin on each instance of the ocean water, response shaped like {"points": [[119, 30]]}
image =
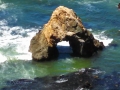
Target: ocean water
{"points": [[20, 20]]}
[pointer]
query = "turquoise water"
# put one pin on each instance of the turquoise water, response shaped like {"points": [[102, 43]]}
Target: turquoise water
{"points": [[21, 19]]}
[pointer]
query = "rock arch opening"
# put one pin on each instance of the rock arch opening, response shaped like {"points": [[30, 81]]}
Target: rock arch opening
{"points": [[64, 49]]}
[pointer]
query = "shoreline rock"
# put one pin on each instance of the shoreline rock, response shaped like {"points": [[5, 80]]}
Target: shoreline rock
{"points": [[83, 79], [64, 25]]}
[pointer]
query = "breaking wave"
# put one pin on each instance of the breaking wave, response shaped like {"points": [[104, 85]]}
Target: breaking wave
{"points": [[15, 41]]}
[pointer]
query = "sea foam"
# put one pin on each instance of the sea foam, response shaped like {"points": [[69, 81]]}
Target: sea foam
{"points": [[103, 38], [15, 41], [2, 58], [3, 6], [64, 47], [100, 36]]}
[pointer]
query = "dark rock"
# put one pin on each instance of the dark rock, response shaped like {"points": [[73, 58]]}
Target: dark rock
{"points": [[108, 81], [84, 79], [73, 81]]}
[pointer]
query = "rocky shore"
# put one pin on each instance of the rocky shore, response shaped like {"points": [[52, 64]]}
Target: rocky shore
{"points": [[83, 79]]}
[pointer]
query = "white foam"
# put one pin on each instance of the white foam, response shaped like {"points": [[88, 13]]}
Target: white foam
{"points": [[64, 47], [90, 29], [3, 22], [3, 6], [2, 58], [27, 56], [102, 38], [63, 43], [13, 37], [62, 80]]}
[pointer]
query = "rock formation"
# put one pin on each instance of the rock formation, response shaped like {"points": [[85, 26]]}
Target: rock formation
{"points": [[79, 80], [64, 24], [83, 79]]}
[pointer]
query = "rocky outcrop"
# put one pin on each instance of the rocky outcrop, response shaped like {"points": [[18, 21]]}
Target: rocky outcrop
{"points": [[84, 79], [79, 80], [64, 24]]}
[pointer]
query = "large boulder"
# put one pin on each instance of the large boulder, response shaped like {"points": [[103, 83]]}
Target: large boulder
{"points": [[64, 24]]}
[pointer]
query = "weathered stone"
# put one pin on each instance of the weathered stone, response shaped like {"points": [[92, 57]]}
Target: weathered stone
{"points": [[64, 24], [79, 80], [40, 48], [83, 79]]}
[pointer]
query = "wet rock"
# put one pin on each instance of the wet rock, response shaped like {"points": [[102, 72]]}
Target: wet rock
{"points": [[64, 25], [109, 81], [82, 79]]}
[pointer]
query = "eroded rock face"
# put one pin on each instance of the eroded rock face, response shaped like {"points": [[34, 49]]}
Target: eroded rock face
{"points": [[64, 24]]}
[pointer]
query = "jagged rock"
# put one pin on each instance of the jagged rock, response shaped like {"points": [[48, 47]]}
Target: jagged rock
{"points": [[79, 80], [83, 79], [64, 24]]}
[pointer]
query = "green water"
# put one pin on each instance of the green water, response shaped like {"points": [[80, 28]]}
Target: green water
{"points": [[18, 69]]}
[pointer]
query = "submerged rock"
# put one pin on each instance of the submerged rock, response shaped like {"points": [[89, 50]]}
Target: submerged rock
{"points": [[64, 25], [82, 79]]}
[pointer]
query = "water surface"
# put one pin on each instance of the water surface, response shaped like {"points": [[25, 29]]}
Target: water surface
{"points": [[20, 20]]}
